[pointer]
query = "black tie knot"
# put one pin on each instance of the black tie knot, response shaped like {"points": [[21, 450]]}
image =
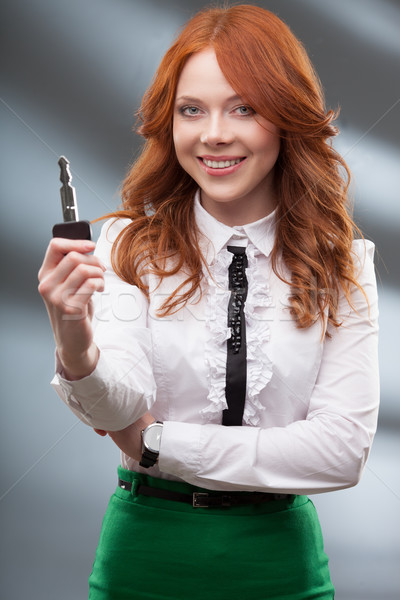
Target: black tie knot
{"points": [[238, 287]]}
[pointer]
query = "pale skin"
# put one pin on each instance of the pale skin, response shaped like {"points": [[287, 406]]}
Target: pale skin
{"points": [[211, 123], [212, 127]]}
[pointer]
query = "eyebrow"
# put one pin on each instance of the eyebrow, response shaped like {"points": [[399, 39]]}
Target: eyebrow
{"points": [[234, 98]]}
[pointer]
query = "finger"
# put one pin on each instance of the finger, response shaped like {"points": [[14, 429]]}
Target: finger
{"points": [[80, 274], [75, 261], [77, 303], [74, 294], [71, 270], [59, 247]]}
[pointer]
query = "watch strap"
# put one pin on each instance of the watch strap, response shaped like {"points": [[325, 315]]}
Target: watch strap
{"points": [[148, 459]]}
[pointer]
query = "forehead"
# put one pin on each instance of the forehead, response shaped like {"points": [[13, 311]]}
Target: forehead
{"points": [[202, 75]]}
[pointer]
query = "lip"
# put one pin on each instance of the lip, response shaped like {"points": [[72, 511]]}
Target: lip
{"points": [[222, 157], [225, 170]]}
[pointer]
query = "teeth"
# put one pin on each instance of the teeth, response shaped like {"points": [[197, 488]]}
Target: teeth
{"points": [[221, 164]]}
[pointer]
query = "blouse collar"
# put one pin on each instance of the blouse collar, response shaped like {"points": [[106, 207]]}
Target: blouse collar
{"points": [[216, 235]]}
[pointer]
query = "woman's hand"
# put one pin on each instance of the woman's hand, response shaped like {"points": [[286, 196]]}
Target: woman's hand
{"points": [[129, 440], [68, 277]]}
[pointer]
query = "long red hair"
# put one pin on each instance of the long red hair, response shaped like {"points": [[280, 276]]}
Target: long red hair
{"points": [[269, 69]]}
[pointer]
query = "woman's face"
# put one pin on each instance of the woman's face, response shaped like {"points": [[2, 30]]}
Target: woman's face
{"points": [[222, 144]]}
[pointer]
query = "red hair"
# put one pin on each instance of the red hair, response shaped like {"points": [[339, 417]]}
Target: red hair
{"points": [[269, 69]]}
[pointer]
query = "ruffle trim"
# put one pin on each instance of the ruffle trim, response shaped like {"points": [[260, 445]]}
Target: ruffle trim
{"points": [[259, 366], [218, 332]]}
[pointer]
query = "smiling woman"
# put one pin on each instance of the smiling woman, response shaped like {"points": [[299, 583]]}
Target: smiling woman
{"points": [[267, 70], [227, 148], [246, 376]]}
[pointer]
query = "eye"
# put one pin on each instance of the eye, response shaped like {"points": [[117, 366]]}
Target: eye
{"points": [[189, 111], [244, 110]]}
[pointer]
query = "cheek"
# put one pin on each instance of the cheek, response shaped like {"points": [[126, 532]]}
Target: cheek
{"points": [[181, 143], [175, 138], [275, 145], [266, 138], [269, 146]]}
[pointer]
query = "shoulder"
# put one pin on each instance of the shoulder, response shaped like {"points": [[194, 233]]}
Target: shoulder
{"points": [[109, 233], [112, 228], [363, 252], [363, 249], [364, 297]]}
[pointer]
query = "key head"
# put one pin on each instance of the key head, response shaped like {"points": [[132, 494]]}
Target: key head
{"points": [[74, 230]]}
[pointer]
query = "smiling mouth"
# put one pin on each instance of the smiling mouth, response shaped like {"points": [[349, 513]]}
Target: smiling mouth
{"points": [[221, 164]]}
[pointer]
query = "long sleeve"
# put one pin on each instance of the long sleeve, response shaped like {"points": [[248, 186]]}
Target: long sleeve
{"points": [[324, 451], [122, 387]]}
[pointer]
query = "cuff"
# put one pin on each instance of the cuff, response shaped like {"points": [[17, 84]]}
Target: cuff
{"points": [[91, 388], [180, 449]]}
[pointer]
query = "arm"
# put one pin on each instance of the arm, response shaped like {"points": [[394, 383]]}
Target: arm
{"points": [[325, 451], [129, 440], [67, 279], [120, 388]]}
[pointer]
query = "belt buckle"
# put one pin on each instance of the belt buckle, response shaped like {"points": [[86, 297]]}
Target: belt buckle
{"points": [[205, 500], [200, 500]]}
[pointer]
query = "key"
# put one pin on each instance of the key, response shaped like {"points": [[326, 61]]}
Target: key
{"points": [[71, 228]]}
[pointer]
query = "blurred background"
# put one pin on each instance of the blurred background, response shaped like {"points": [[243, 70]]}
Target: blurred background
{"points": [[73, 74]]}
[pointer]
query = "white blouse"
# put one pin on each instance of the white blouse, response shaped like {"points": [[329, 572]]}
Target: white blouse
{"points": [[311, 403]]}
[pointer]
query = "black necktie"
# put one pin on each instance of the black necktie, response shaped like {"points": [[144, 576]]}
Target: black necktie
{"points": [[236, 371]]}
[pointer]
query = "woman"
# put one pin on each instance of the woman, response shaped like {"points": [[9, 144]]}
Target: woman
{"points": [[233, 354]]}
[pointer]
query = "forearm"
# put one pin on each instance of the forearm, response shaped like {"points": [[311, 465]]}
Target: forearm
{"points": [[306, 457], [76, 366], [113, 396]]}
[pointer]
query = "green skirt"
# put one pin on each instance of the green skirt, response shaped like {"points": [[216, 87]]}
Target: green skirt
{"points": [[152, 548]]}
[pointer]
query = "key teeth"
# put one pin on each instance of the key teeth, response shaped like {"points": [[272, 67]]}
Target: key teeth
{"points": [[63, 162], [65, 174]]}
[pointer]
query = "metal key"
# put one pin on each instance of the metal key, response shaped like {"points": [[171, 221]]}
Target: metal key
{"points": [[72, 228], [67, 191]]}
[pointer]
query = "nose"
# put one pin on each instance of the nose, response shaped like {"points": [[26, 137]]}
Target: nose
{"points": [[216, 131]]}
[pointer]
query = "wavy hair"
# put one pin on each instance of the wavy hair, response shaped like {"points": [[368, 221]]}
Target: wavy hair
{"points": [[269, 69]]}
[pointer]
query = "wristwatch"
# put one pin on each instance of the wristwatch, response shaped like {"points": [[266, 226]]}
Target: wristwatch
{"points": [[151, 442]]}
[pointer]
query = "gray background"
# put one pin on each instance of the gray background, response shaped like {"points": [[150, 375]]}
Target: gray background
{"points": [[72, 76]]}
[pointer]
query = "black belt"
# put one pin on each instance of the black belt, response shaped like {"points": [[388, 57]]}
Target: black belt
{"points": [[205, 499]]}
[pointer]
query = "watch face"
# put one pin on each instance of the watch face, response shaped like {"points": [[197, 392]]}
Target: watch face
{"points": [[152, 437]]}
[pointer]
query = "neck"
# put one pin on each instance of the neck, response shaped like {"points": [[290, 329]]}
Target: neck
{"points": [[238, 212]]}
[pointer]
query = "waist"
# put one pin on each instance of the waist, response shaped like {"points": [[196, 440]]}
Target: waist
{"points": [[179, 495]]}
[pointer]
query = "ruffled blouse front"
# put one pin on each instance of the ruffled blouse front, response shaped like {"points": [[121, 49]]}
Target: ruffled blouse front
{"points": [[259, 366]]}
